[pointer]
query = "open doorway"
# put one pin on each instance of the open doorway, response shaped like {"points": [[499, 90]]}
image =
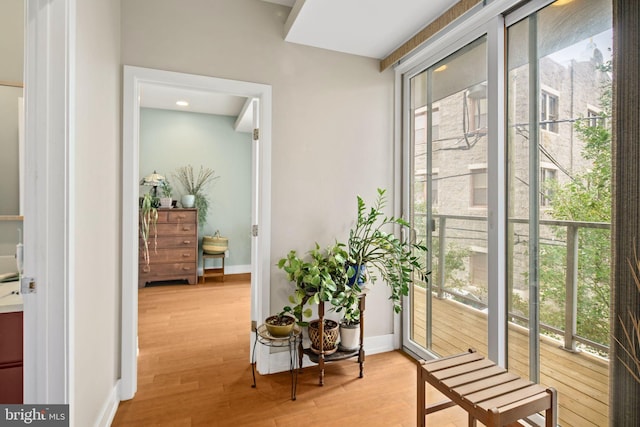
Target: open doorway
{"points": [[135, 78]]}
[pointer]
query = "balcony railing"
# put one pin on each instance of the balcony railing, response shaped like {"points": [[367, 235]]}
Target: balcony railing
{"points": [[571, 337]]}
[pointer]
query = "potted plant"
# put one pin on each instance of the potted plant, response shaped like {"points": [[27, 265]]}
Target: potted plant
{"points": [[346, 301], [373, 250], [280, 325], [194, 186], [166, 190], [317, 278], [148, 219]]}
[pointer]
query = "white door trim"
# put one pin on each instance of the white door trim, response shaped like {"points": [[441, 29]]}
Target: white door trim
{"points": [[48, 197], [134, 77]]}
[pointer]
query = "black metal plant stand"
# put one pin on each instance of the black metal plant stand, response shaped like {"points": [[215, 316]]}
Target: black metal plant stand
{"points": [[265, 338]]}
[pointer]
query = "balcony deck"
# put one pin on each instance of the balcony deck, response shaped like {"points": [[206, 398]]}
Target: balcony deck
{"points": [[582, 380]]}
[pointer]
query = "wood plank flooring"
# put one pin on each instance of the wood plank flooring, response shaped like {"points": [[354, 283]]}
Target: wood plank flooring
{"points": [[194, 370]]}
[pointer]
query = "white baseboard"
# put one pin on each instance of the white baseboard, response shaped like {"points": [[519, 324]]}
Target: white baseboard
{"points": [[109, 408], [279, 361]]}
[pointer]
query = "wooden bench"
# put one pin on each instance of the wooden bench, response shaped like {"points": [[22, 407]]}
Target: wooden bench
{"points": [[486, 391]]}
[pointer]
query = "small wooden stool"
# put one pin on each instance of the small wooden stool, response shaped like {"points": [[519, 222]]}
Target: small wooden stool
{"points": [[486, 391], [212, 272]]}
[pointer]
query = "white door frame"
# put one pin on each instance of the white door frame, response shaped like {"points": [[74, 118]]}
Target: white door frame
{"points": [[48, 198], [134, 77]]}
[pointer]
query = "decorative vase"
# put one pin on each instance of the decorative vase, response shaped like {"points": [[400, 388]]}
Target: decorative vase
{"points": [[188, 201], [165, 202]]}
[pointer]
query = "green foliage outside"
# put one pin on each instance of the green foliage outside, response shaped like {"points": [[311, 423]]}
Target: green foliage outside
{"points": [[586, 198]]}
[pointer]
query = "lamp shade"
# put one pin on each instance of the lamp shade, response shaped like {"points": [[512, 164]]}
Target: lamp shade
{"points": [[153, 179]]}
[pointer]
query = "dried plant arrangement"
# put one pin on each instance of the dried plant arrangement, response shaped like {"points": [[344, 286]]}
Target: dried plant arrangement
{"points": [[195, 185]]}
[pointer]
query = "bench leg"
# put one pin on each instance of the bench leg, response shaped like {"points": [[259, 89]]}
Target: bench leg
{"points": [[551, 414], [421, 402], [472, 421]]}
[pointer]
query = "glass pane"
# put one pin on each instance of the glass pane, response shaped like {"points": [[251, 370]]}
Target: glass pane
{"points": [[559, 172], [449, 145]]}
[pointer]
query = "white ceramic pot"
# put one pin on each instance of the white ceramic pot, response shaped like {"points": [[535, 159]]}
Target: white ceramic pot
{"points": [[188, 201], [165, 202], [349, 337]]}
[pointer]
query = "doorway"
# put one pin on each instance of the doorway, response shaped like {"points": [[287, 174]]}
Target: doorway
{"points": [[134, 79]]}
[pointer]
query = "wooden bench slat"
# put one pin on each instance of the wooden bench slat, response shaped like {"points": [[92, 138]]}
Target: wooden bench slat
{"points": [[462, 369], [485, 383], [438, 364], [524, 408], [471, 377], [509, 398], [497, 390]]}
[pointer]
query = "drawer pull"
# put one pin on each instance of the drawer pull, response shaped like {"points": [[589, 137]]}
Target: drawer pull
{"points": [[186, 268], [182, 216], [186, 242], [186, 228], [186, 255]]}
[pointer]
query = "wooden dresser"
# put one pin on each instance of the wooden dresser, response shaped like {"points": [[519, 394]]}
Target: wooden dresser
{"points": [[176, 255]]}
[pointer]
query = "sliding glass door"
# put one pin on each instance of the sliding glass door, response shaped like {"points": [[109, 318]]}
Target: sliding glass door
{"points": [[449, 199], [559, 210], [508, 180]]}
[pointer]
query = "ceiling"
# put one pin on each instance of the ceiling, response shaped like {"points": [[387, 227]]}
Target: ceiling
{"points": [[371, 28], [200, 101]]}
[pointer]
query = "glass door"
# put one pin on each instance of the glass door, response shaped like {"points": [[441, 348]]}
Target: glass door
{"points": [[448, 202], [559, 203]]}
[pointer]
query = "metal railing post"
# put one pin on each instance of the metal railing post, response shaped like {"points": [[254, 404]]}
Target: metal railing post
{"points": [[571, 289], [442, 221]]}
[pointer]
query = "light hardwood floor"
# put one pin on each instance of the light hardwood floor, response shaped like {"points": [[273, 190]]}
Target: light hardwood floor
{"points": [[193, 370]]}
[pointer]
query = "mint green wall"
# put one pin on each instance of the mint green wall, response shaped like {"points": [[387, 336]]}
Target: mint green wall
{"points": [[170, 139]]}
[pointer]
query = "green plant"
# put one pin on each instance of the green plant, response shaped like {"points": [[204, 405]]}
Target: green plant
{"points": [[396, 261], [317, 277], [148, 219], [165, 188], [195, 186]]}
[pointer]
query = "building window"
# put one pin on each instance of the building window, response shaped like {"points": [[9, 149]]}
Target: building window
{"points": [[549, 111], [479, 187], [548, 177], [594, 117]]}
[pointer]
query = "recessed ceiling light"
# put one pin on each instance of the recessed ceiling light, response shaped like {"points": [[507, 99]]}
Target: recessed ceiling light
{"points": [[182, 103]]}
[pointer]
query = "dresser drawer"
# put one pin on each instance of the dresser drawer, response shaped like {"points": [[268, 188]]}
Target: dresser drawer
{"points": [[169, 255], [182, 216], [173, 269], [172, 242], [170, 229]]}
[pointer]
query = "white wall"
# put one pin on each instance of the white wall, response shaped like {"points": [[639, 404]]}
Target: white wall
{"points": [[97, 185], [332, 115]]}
